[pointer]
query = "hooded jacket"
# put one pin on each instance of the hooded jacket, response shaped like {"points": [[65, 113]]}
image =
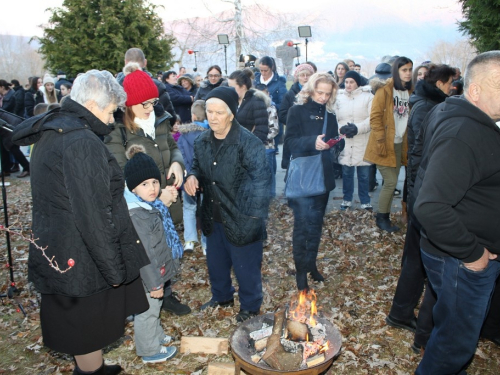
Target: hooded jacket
{"points": [[276, 88], [79, 211], [237, 178], [354, 107], [458, 182], [189, 132]]}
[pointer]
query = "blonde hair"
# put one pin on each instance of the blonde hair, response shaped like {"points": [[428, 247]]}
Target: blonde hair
{"points": [[311, 85]]}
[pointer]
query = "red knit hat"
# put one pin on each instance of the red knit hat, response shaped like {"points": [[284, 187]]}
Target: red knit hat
{"points": [[138, 85]]}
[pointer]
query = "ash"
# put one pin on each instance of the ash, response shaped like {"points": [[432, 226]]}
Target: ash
{"points": [[318, 332], [290, 346]]}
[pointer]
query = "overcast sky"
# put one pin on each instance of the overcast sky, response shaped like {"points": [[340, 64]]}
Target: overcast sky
{"points": [[363, 29]]}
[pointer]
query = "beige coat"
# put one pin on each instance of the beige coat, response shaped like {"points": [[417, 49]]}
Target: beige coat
{"points": [[354, 107], [380, 148]]}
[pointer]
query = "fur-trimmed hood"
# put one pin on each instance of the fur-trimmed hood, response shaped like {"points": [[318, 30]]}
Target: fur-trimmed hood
{"points": [[191, 127], [377, 83], [263, 96]]}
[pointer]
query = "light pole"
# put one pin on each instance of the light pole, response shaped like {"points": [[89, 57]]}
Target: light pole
{"points": [[305, 32], [224, 39], [190, 51]]}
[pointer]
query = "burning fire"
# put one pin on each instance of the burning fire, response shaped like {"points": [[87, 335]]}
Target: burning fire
{"points": [[303, 309]]}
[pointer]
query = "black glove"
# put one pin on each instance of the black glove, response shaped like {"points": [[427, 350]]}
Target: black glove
{"points": [[352, 130], [343, 129]]}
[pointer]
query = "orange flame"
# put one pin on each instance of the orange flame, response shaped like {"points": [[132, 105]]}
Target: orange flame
{"points": [[304, 308], [325, 347]]}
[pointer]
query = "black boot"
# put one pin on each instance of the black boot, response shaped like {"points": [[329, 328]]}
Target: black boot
{"points": [[384, 223], [301, 278], [316, 275], [312, 267], [103, 370]]}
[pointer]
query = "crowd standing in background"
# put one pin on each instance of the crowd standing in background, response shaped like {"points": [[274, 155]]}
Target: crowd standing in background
{"points": [[215, 139]]}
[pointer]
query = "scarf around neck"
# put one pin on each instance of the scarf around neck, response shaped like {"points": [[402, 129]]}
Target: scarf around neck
{"points": [[171, 235], [148, 125]]}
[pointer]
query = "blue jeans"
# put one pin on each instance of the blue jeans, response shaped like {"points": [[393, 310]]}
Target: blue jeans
{"points": [[246, 262], [271, 161], [463, 298], [189, 217], [348, 183]]}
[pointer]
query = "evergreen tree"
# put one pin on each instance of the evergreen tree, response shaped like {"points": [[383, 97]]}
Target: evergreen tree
{"points": [[482, 23], [94, 34]]}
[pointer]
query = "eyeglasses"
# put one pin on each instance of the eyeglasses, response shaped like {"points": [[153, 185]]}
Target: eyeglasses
{"points": [[146, 105], [214, 76]]}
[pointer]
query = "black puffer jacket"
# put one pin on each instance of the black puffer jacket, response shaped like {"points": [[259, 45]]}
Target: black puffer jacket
{"points": [[206, 87], [20, 92], [252, 114], [238, 178], [304, 124], [79, 211]]}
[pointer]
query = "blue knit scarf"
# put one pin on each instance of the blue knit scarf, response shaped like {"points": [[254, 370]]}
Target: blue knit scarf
{"points": [[173, 240]]}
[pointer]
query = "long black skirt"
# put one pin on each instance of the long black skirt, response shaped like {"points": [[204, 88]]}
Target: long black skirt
{"points": [[83, 325]]}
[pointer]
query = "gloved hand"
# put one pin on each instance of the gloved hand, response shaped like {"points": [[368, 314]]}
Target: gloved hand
{"points": [[351, 131], [343, 129]]}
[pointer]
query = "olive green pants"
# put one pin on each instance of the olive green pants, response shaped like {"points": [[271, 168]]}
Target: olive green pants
{"points": [[390, 176]]}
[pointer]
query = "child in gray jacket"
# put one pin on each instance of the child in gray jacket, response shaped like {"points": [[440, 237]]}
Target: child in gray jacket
{"points": [[156, 230]]}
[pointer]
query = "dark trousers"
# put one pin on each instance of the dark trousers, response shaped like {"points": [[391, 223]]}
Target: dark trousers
{"points": [[463, 298], [372, 177], [308, 216], [246, 262], [17, 153], [491, 327], [425, 322], [412, 278]]}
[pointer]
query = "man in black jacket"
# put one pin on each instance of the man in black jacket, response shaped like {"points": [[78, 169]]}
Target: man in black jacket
{"points": [[457, 188]]}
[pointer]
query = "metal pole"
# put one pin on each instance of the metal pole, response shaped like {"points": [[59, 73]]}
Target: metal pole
{"points": [[225, 56], [306, 49]]}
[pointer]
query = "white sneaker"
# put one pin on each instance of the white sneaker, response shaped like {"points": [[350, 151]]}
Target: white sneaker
{"points": [[189, 246], [345, 205], [166, 352], [367, 207], [204, 250]]}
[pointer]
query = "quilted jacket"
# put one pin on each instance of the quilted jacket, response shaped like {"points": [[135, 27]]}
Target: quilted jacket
{"points": [[252, 114], [79, 211], [238, 178]]}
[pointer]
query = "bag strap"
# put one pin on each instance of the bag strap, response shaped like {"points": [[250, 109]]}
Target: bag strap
{"points": [[324, 123], [123, 132]]}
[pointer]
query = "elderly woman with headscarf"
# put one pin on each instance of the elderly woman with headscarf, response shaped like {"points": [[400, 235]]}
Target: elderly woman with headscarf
{"points": [[81, 219], [230, 165]]}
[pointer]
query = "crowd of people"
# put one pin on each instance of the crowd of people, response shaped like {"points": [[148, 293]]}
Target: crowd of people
{"points": [[215, 139]]}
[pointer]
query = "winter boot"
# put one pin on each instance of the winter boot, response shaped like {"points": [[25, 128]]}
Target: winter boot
{"points": [[384, 223], [103, 370], [313, 269], [301, 278]]}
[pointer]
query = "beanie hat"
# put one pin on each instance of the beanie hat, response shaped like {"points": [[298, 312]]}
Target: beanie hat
{"points": [[138, 85], [354, 75], [48, 79], [303, 68], [140, 167], [228, 95]]}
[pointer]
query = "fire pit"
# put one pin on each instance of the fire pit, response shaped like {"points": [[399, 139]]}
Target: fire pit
{"points": [[243, 350]]}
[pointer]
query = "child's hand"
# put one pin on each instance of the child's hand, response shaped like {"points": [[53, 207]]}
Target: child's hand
{"points": [[158, 294], [169, 195]]}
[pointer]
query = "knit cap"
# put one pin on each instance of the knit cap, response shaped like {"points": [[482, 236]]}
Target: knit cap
{"points": [[138, 85], [228, 95], [354, 75], [48, 79], [140, 167], [303, 68]]}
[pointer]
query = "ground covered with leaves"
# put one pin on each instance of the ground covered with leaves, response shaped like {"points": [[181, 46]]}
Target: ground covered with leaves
{"points": [[361, 266]]}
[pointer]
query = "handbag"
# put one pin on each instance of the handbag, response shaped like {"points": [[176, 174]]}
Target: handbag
{"points": [[306, 177]]}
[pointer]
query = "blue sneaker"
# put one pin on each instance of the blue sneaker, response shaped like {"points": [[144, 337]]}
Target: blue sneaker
{"points": [[166, 352]]}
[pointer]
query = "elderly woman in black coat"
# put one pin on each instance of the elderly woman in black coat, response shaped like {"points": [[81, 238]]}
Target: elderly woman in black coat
{"points": [[304, 137], [81, 218], [230, 165]]}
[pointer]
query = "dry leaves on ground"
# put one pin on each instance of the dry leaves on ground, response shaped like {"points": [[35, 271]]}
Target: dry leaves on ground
{"points": [[361, 266]]}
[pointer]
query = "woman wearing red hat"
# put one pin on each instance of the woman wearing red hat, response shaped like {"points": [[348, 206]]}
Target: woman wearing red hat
{"points": [[140, 126]]}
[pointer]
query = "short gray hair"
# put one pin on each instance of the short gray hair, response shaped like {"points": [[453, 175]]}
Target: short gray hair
{"points": [[478, 64], [217, 100], [135, 55], [99, 86]]}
